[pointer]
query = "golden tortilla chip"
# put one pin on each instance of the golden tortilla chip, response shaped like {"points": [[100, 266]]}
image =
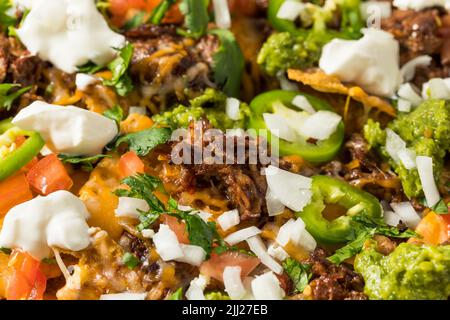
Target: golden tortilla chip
{"points": [[320, 81]]}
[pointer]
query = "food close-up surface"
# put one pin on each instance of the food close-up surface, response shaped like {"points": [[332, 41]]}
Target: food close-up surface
{"points": [[224, 150]]}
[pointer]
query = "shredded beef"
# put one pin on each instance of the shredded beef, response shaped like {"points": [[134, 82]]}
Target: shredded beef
{"points": [[332, 282], [240, 181], [4, 57], [161, 57], [364, 170]]}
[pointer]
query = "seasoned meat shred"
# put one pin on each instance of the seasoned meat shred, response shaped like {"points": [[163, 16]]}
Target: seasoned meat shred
{"points": [[332, 282], [243, 184]]}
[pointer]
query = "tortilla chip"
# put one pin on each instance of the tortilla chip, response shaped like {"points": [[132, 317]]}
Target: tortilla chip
{"points": [[320, 81]]}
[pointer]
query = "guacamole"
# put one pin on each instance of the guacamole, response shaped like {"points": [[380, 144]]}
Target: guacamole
{"points": [[426, 130], [285, 50], [211, 105], [410, 272]]}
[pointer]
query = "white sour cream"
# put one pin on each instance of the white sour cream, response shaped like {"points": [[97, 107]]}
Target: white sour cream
{"points": [[69, 130], [418, 4], [58, 220], [371, 62], [69, 33]]}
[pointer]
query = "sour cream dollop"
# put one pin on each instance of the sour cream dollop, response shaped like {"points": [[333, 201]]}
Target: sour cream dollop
{"points": [[69, 33], [69, 130], [371, 62], [57, 220]]}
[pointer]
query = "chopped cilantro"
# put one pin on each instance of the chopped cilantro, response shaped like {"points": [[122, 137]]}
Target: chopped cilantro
{"points": [[6, 100], [196, 17], [130, 260], [228, 63], [299, 273], [115, 113], [160, 11], [87, 163], [143, 142]]}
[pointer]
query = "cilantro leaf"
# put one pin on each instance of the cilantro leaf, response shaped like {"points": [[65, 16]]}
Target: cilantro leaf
{"points": [[440, 207], [353, 247], [120, 79], [6, 20], [382, 228], [142, 187], [5, 250], [177, 295], [115, 113], [160, 11], [6, 100], [119, 66], [201, 233], [143, 142], [299, 273], [87, 163], [228, 63], [130, 260], [196, 17], [90, 68]]}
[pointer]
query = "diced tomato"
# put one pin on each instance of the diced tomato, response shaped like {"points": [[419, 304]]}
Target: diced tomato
{"points": [[123, 10], [178, 227], [27, 281], [218, 262], [130, 164], [434, 228], [49, 175], [14, 191]]}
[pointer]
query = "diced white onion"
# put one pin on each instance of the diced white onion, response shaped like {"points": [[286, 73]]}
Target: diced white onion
{"points": [[138, 110], [407, 92], [205, 216], [277, 252], [425, 168], [233, 283], [129, 207], [382, 8], [233, 109], [407, 213], [285, 84], [258, 247], [222, 14], [229, 219], [290, 10], [196, 288], [303, 103], [394, 143], [274, 206], [408, 158], [267, 287], [391, 218], [294, 231], [193, 255], [404, 105], [436, 88], [409, 69], [242, 235], [279, 127], [299, 194], [167, 244], [148, 233], [83, 81], [320, 125], [124, 296]]}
